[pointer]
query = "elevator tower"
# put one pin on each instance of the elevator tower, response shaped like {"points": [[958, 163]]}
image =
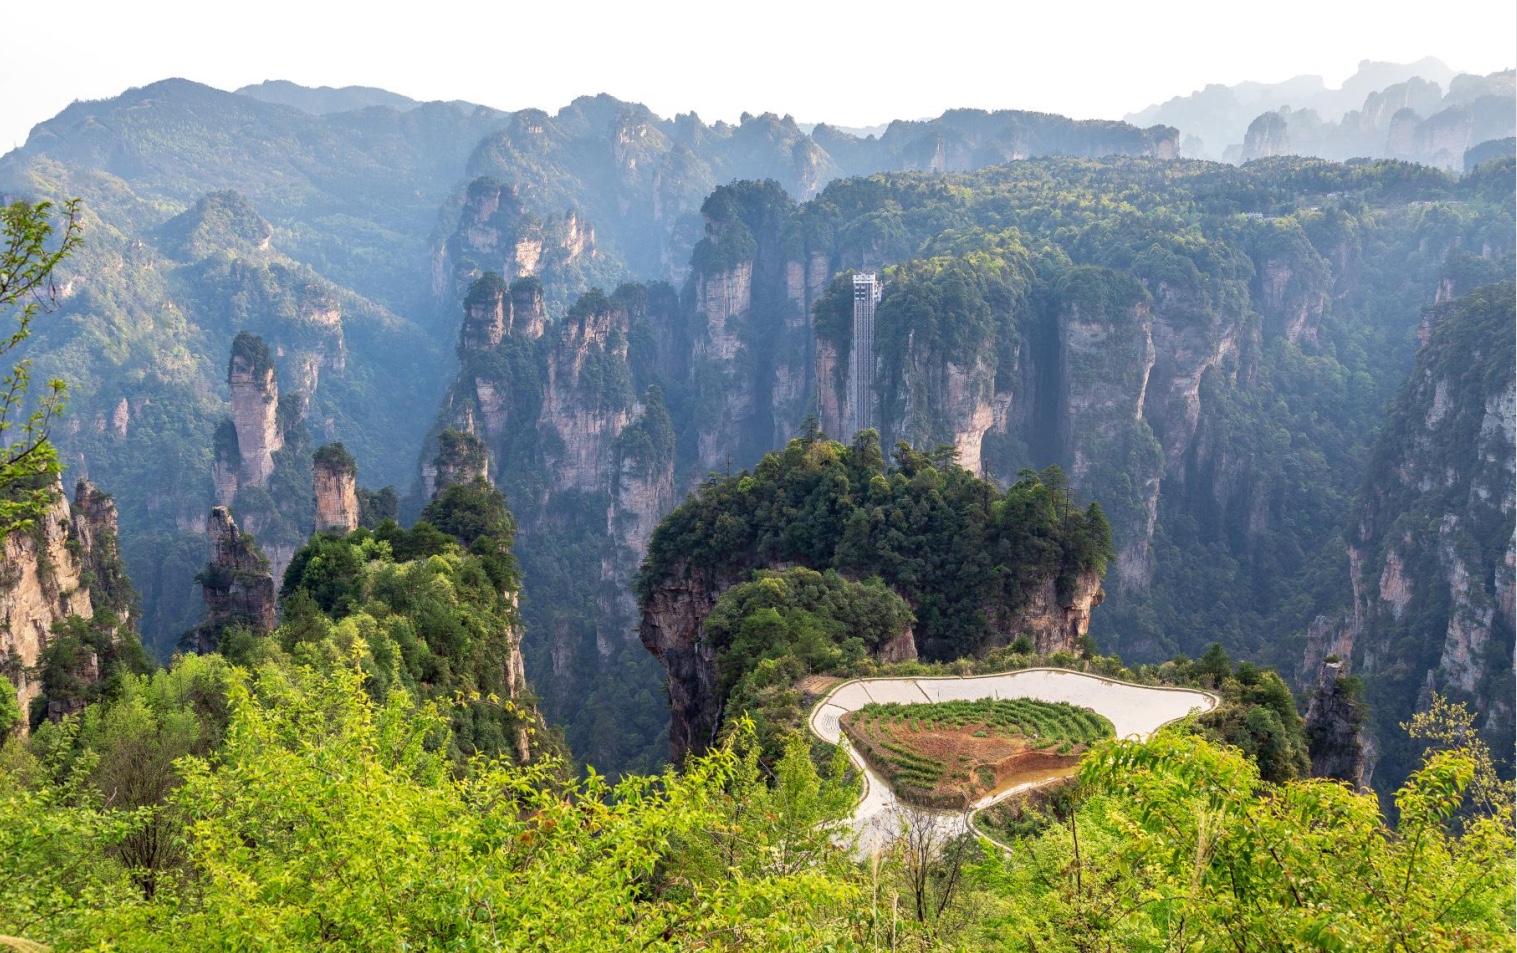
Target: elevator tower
{"points": [[866, 294]]}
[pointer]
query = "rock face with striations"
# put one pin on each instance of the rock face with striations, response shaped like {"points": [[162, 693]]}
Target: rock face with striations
{"points": [[1334, 717], [255, 408], [1431, 547], [52, 572], [671, 629], [237, 586], [336, 487], [261, 467]]}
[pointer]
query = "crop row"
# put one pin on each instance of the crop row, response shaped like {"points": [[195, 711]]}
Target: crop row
{"points": [[1034, 719]]}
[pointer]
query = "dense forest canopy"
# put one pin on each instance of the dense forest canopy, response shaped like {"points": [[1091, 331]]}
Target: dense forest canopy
{"points": [[955, 546]]}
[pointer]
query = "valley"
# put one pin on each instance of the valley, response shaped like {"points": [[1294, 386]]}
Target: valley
{"points": [[433, 526]]}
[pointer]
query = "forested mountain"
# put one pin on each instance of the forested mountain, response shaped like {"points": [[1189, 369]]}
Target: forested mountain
{"points": [[1429, 534], [1206, 350], [1118, 402], [977, 567], [342, 227], [1419, 111]]}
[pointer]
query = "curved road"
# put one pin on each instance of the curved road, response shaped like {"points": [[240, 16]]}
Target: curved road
{"points": [[1134, 710]]}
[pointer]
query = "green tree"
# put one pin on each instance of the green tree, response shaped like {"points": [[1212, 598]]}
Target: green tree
{"points": [[28, 255]]}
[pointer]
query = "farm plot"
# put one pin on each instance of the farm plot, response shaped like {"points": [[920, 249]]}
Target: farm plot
{"points": [[951, 754]]}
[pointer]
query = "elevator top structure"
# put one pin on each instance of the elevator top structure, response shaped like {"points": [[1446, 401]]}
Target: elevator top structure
{"points": [[866, 294]]}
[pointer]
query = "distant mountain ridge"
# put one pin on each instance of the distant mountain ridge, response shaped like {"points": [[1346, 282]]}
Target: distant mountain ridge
{"points": [[324, 100], [1422, 111]]}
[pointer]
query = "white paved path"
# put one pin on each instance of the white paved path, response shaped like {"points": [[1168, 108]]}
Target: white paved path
{"points": [[1134, 710]]}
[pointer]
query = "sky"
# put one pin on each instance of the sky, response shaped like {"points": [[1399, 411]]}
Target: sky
{"points": [[847, 63]]}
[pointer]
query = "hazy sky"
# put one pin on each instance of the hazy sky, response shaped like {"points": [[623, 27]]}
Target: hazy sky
{"points": [[848, 63]]}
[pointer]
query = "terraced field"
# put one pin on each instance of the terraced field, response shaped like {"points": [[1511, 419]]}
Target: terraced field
{"points": [[1135, 711], [953, 753]]}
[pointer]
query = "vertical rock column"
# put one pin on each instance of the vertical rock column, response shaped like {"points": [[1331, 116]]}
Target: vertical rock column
{"points": [[237, 585], [255, 407], [335, 478]]}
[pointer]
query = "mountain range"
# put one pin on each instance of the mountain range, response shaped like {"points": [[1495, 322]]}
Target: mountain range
{"points": [[616, 305]]}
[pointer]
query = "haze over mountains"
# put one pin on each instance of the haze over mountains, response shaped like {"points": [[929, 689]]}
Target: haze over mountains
{"points": [[1208, 351], [1418, 111]]}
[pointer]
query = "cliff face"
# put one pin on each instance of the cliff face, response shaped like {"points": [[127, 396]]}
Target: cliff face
{"points": [[1334, 717], [1106, 363], [1207, 386], [237, 586], [67, 566], [1056, 622], [671, 630], [41, 585], [1431, 547], [588, 396], [255, 410], [1268, 135], [496, 233], [336, 489]]}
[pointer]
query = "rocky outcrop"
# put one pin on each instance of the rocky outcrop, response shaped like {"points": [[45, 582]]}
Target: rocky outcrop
{"points": [[67, 566], [1334, 717], [336, 487], [587, 400], [671, 630], [1055, 621], [1411, 120], [1268, 135], [674, 613], [461, 458], [255, 408], [40, 585], [1431, 547], [494, 311], [497, 234], [236, 585]]}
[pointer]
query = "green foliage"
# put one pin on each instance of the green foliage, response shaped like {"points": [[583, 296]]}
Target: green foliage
{"points": [[958, 549], [820, 620], [376, 506], [1178, 844], [253, 353], [28, 460], [11, 716], [288, 808], [434, 606], [1029, 718], [84, 660], [218, 221], [328, 819], [460, 453], [733, 214], [334, 456]]}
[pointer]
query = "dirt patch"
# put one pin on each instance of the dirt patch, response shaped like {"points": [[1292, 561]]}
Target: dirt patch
{"points": [[814, 686], [953, 766]]}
